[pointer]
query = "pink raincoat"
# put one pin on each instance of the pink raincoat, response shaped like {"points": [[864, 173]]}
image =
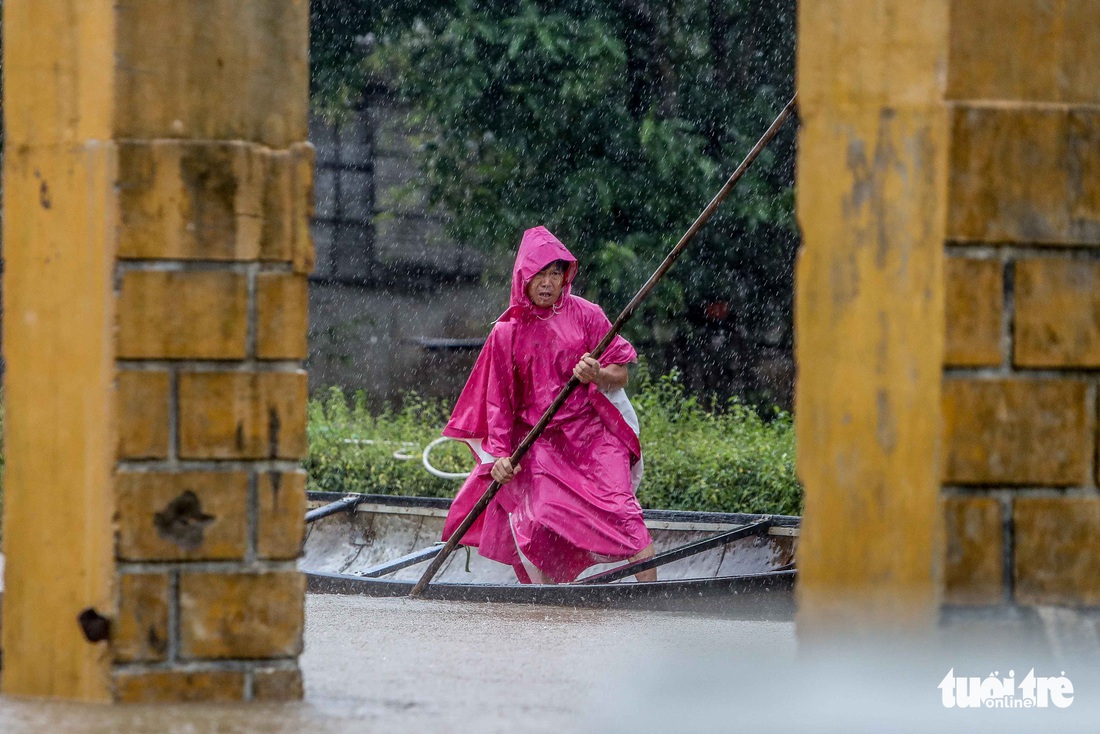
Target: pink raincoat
{"points": [[572, 503]]}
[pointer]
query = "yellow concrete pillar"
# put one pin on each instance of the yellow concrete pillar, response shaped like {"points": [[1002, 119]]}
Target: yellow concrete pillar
{"points": [[869, 315], [60, 217], [156, 196]]}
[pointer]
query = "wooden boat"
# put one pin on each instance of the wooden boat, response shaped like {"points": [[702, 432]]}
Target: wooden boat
{"points": [[726, 563]]}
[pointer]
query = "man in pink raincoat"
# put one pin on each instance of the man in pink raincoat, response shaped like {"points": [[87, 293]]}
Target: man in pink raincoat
{"points": [[571, 504]]}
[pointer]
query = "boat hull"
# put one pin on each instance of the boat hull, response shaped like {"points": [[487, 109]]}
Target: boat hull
{"points": [[759, 596], [750, 574]]}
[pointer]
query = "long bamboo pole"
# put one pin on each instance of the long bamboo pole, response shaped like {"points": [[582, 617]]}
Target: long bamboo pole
{"points": [[627, 312]]}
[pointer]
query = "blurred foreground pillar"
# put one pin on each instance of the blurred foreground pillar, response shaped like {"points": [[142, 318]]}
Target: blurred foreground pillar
{"points": [[869, 321], [156, 202]]}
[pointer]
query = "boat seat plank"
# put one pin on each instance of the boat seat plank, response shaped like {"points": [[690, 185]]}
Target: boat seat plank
{"points": [[409, 559], [676, 554]]}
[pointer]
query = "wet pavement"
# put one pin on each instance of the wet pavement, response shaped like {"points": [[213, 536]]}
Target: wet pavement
{"points": [[396, 665]]}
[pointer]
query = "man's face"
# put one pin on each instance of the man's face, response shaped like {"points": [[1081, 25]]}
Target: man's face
{"points": [[545, 288]]}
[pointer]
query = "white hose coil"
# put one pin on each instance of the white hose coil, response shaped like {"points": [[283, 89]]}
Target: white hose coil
{"points": [[439, 472]]}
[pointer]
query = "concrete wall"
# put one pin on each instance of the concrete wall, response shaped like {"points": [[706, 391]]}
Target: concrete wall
{"points": [[387, 276]]}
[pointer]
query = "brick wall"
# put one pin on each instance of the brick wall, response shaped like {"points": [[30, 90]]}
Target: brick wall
{"points": [[387, 275], [211, 336], [215, 189], [1020, 441]]}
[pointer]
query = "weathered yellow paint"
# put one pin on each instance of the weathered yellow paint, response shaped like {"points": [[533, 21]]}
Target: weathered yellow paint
{"points": [[1056, 324], [1025, 175], [143, 414], [183, 315], [974, 558], [58, 71], [974, 304], [869, 53], [1016, 432], [282, 315], [1057, 551], [869, 311], [221, 496], [186, 200], [281, 497], [216, 200], [277, 685], [59, 240], [141, 633], [1026, 50], [241, 615], [179, 686], [218, 70], [60, 223], [242, 415], [303, 256]]}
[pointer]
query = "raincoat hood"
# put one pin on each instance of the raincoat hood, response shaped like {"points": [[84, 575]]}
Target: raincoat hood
{"points": [[538, 249]]}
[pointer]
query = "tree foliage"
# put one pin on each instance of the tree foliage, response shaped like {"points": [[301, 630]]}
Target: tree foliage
{"points": [[612, 122]]}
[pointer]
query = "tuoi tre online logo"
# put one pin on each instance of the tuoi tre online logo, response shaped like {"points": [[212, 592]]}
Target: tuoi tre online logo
{"points": [[994, 692]]}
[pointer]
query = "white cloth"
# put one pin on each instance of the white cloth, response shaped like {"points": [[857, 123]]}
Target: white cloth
{"points": [[622, 403]]}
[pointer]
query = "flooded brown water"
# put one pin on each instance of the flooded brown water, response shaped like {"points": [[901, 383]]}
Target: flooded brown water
{"points": [[397, 665]]}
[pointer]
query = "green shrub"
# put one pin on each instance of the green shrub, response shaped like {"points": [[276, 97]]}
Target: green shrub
{"points": [[723, 458], [718, 458], [354, 450]]}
